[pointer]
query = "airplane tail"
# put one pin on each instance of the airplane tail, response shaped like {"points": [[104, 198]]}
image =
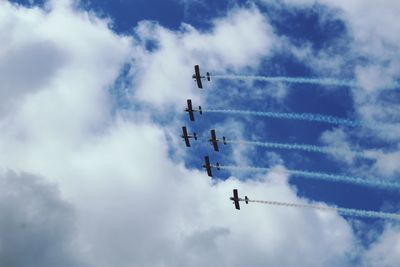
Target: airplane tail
{"points": [[218, 168], [194, 136], [208, 76], [224, 140], [246, 199], [200, 111]]}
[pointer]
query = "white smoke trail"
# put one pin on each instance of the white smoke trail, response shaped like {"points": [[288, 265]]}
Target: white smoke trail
{"points": [[294, 146], [343, 211], [300, 80], [322, 81], [322, 176], [297, 116]]}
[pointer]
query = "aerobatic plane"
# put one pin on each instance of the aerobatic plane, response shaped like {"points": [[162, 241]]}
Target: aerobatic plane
{"points": [[186, 136], [214, 141], [197, 77], [208, 166], [190, 110], [236, 199]]}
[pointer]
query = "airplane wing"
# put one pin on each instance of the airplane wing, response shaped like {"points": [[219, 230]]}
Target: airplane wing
{"points": [[236, 199], [191, 116], [187, 142], [237, 206], [197, 76], [214, 140], [185, 136], [235, 194], [209, 173]]}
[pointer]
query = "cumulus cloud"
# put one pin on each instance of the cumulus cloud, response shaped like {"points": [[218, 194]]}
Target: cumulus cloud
{"points": [[20, 60], [36, 226], [168, 67], [386, 162], [386, 251]]}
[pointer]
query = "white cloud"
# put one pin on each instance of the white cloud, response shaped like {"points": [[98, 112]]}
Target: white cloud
{"points": [[237, 41], [386, 162], [134, 205], [64, 101], [386, 251], [36, 226], [337, 139]]}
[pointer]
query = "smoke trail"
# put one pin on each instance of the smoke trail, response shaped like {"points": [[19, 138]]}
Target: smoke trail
{"points": [[308, 148], [300, 80], [296, 116], [322, 176], [321, 81], [343, 211]]}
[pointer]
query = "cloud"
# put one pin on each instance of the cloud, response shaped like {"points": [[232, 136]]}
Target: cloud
{"points": [[337, 138], [22, 60], [386, 250], [37, 226], [165, 67], [64, 91], [386, 163]]}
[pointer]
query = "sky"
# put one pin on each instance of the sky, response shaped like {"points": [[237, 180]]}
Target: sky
{"points": [[94, 171]]}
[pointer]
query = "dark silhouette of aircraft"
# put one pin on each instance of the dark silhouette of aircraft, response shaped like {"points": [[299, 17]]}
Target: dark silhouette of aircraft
{"points": [[236, 199], [208, 166], [197, 77], [186, 136], [214, 141], [190, 110]]}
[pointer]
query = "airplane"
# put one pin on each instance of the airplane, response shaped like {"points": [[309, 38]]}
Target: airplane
{"points": [[236, 199], [186, 136], [190, 110], [197, 77], [208, 166], [214, 141]]}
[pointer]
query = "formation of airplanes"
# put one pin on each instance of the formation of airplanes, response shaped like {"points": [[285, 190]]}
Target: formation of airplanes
{"points": [[214, 141]]}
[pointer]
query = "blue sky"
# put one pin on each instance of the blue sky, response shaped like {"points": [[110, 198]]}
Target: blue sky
{"points": [[147, 86]]}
